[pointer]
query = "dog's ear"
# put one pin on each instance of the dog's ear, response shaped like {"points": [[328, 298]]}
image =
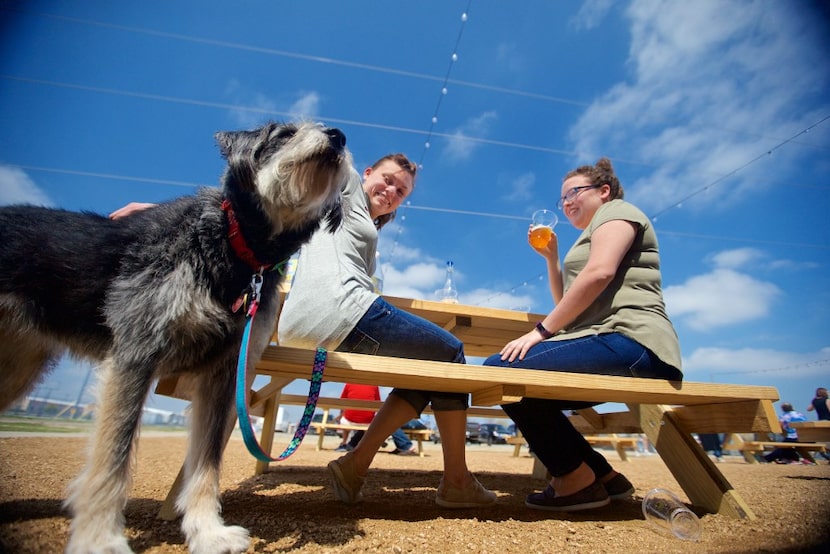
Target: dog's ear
{"points": [[334, 218], [235, 141], [225, 140]]}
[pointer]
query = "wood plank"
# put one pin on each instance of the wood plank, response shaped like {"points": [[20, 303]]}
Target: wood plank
{"points": [[424, 375], [748, 416], [593, 418], [612, 422], [704, 484], [498, 394], [813, 431], [374, 405]]}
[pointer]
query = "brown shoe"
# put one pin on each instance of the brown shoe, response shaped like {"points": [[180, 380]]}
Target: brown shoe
{"points": [[618, 487], [410, 452], [473, 495], [592, 496], [347, 483]]}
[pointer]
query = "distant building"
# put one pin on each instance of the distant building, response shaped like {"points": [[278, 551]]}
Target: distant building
{"points": [[50, 407]]}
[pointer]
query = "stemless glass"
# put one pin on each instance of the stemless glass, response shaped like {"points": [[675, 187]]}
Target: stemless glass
{"points": [[541, 227]]}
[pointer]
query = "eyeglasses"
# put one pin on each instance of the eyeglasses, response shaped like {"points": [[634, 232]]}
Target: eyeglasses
{"points": [[571, 195]]}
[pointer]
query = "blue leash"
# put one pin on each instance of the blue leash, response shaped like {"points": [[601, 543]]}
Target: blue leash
{"points": [[241, 389]]}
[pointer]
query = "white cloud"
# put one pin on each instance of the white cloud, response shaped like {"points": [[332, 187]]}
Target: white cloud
{"points": [[591, 13], [764, 364], [17, 188], [254, 108], [710, 83], [459, 147], [510, 58], [306, 107], [520, 188], [419, 276], [721, 298], [491, 298], [736, 258]]}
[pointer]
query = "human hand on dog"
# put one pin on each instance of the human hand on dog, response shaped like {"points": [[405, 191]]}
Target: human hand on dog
{"points": [[129, 209]]}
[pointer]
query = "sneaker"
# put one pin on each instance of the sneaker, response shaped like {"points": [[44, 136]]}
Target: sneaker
{"points": [[347, 483], [473, 495], [410, 452], [807, 462], [343, 448], [592, 496], [618, 487]]}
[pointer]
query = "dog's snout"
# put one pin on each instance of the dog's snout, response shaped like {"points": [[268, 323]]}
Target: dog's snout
{"points": [[337, 138]]}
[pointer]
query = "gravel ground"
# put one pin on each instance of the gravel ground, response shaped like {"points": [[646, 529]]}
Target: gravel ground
{"points": [[292, 508]]}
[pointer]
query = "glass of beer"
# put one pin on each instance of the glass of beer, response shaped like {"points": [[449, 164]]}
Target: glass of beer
{"points": [[541, 227]]}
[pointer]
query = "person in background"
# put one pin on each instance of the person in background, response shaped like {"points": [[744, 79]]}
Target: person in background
{"points": [[352, 416], [710, 442], [609, 318], [788, 455], [821, 404], [403, 446], [332, 303]]}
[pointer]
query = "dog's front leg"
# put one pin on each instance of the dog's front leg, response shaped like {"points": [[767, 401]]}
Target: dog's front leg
{"points": [[98, 495], [211, 423]]}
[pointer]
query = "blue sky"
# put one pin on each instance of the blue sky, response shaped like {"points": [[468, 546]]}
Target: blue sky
{"points": [[716, 115]]}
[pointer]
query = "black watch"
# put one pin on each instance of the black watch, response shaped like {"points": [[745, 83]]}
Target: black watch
{"points": [[542, 331]]}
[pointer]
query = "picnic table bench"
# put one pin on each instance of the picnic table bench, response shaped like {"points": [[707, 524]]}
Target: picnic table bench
{"points": [[750, 448], [329, 403], [618, 443], [666, 412]]}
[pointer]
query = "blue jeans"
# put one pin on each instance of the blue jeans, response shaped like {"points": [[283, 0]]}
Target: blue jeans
{"points": [[554, 440], [399, 437], [385, 330], [401, 440]]}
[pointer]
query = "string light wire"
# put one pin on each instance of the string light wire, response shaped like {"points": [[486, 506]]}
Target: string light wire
{"points": [[740, 168], [430, 133]]}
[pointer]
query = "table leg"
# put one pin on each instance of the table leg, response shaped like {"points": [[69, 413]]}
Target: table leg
{"points": [[702, 482]]}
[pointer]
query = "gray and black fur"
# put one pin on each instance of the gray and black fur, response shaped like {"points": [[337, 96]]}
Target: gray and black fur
{"points": [[150, 295]]}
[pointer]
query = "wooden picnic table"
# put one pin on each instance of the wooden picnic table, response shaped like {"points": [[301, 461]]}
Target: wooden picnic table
{"points": [[484, 331], [667, 412], [812, 431]]}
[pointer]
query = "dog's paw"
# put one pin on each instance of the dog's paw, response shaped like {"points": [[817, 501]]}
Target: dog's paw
{"points": [[231, 539], [114, 545]]}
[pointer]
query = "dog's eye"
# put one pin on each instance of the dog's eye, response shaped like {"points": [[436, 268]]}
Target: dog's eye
{"points": [[286, 133]]}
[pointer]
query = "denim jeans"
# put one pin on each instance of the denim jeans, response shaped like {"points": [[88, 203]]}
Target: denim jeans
{"points": [[385, 330], [399, 437], [554, 440]]}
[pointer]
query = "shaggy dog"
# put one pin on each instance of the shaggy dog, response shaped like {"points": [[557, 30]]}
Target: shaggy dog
{"points": [[153, 295]]}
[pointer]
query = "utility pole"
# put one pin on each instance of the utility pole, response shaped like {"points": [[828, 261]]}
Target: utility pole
{"points": [[81, 393]]}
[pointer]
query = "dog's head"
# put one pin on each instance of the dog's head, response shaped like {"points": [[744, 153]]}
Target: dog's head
{"points": [[295, 169]]}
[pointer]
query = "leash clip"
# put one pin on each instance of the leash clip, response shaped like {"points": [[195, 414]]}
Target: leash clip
{"points": [[256, 288]]}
